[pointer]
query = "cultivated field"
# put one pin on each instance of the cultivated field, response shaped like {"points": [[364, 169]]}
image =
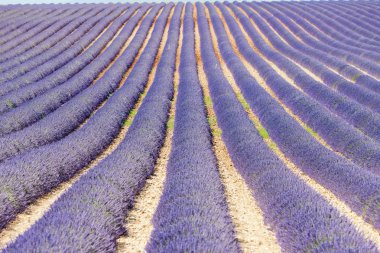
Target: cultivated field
{"points": [[207, 127]]}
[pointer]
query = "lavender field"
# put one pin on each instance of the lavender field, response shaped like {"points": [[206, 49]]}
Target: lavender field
{"points": [[190, 127]]}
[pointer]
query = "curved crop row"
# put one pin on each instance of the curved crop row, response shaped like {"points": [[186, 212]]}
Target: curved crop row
{"points": [[192, 214], [361, 42], [357, 187], [329, 59], [296, 212], [59, 37], [13, 14], [360, 94], [39, 107], [338, 134], [354, 113], [107, 191], [351, 45], [352, 17], [370, 67], [35, 31], [357, 25], [338, 22], [40, 17], [27, 87], [359, 59], [54, 126], [68, 23], [39, 170], [11, 24], [72, 46]]}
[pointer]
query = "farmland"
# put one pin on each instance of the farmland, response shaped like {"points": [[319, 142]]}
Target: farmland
{"points": [[190, 127]]}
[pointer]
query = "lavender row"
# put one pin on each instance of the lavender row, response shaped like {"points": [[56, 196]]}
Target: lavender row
{"points": [[39, 18], [12, 14], [107, 191], [8, 32], [336, 25], [356, 24], [337, 44], [331, 61], [30, 34], [27, 89], [39, 170], [370, 67], [364, 9], [30, 12], [353, 112], [47, 43], [69, 48], [362, 95], [192, 214], [11, 65], [371, 54], [336, 33], [301, 218], [19, 23], [37, 108], [116, 180], [359, 188], [361, 12], [68, 23], [53, 125], [337, 22], [340, 135], [357, 27]]}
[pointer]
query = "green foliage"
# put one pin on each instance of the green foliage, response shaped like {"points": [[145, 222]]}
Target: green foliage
{"points": [[130, 118], [10, 104], [311, 131], [263, 133], [356, 77], [170, 123], [243, 102]]}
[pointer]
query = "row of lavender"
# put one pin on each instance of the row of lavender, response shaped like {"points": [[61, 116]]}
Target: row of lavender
{"points": [[45, 106], [274, 186], [90, 95], [79, 147], [365, 153], [107, 191], [346, 179]]}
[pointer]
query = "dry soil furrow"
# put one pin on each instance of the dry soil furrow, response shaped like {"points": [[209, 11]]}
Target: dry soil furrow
{"points": [[137, 57], [35, 211], [263, 84], [368, 230], [251, 231], [138, 223], [302, 41]]}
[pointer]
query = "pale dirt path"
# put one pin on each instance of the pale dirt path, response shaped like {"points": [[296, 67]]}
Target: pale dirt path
{"points": [[302, 41], [138, 222], [263, 84], [125, 46], [363, 227], [248, 219], [36, 210]]}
